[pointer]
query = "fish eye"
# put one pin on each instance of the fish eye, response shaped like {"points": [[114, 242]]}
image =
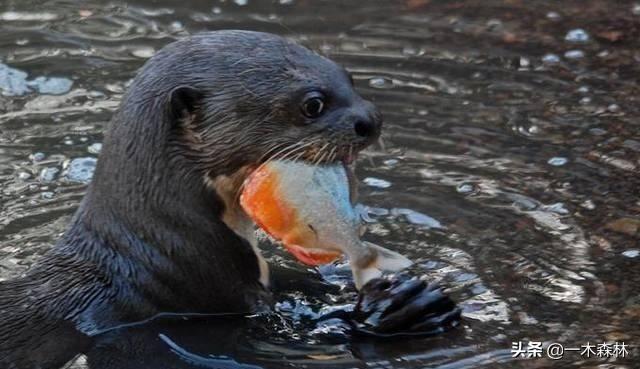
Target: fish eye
{"points": [[313, 105]]}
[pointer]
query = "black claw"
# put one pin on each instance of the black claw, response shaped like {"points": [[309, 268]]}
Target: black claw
{"points": [[402, 306]]}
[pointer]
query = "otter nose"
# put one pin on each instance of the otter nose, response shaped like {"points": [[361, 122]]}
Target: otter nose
{"points": [[369, 123]]}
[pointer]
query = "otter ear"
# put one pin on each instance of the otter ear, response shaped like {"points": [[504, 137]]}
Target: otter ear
{"points": [[183, 101]]}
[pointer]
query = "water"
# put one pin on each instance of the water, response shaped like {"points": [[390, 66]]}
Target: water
{"points": [[520, 145]]}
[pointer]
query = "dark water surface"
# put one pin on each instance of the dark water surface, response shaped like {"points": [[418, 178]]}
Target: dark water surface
{"points": [[509, 170]]}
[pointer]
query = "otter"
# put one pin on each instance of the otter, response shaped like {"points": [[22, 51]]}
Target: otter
{"points": [[159, 229]]}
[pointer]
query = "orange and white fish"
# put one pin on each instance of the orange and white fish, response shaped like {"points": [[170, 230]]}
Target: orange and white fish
{"points": [[308, 208]]}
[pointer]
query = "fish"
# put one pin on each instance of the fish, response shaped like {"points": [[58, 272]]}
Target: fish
{"points": [[309, 209]]}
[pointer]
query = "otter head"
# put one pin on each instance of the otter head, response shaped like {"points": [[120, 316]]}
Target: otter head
{"points": [[255, 97]]}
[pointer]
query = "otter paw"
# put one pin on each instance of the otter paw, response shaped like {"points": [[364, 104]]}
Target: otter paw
{"points": [[403, 306]]}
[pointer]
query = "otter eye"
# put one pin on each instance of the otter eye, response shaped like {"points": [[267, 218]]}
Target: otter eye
{"points": [[313, 105]]}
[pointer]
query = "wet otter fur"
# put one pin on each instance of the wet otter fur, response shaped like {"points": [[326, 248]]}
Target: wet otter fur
{"points": [[157, 230]]}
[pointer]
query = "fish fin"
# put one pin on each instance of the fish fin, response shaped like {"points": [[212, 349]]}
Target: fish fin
{"points": [[389, 260], [385, 260]]}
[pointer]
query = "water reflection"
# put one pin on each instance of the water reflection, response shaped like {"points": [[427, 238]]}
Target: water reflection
{"points": [[508, 169]]}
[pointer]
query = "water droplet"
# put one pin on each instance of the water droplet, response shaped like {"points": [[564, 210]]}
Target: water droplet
{"points": [[494, 24], [577, 35], [176, 26], [47, 195], [216, 10], [95, 148], [380, 82], [144, 52], [417, 218], [585, 101], [465, 188], [241, 2], [574, 54], [588, 204], [553, 15], [583, 89], [614, 108], [558, 161], [24, 176], [408, 50], [550, 58], [36, 157], [390, 162], [524, 62], [68, 142], [377, 182], [49, 174], [633, 253]]}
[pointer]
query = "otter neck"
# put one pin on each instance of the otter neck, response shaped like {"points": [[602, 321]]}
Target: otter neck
{"points": [[153, 207]]}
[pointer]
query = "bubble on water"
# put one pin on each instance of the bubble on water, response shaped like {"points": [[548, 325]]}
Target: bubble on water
{"points": [[417, 218], [614, 108], [577, 35], [465, 188], [550, 58], [377, 182], [557, 161], [241, 2], [51, 85], [553, 15], [583, 89], [22, 41], [68, 142], [176, 26], [95, 148], [49, 174], [81, 170], [216, 10], [47, 195], [524, 62], [633, 253], [574, 54], [13, 81], [36, 157], [380, 82], [144, 52]]}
